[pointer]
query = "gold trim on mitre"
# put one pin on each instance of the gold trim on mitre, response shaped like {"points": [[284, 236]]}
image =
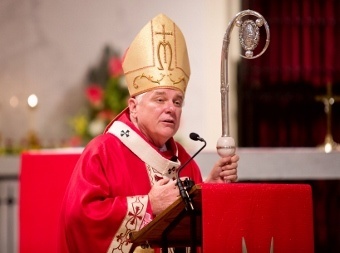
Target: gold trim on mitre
{"points": [[157, 58]]}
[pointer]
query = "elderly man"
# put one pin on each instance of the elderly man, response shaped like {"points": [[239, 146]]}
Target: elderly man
{"points": [[126, 176]]}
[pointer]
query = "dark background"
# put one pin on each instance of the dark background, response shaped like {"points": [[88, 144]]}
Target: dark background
{"points": [[277, 93]]}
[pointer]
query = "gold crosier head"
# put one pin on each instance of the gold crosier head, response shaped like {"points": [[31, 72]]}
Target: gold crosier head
{"points": [[157, 58]]}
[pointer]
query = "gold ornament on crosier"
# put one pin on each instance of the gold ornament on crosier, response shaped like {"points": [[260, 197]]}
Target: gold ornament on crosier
{"points": [[157, 58]]}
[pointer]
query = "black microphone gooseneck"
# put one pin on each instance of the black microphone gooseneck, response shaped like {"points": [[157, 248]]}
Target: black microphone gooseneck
{"points": [[182, 190]]}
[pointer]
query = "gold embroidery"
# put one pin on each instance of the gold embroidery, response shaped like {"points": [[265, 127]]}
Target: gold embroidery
{"points": [[164, 44], [133, 220]]}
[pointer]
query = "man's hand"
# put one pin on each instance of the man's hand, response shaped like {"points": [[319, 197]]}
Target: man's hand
{"points": [[224, 171], [162, 194]]}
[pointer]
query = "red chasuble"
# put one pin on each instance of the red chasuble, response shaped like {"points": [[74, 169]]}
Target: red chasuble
{"points": [[107, 195]]}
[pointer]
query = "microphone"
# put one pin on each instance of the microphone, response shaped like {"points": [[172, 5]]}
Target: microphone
{"points": [[196, 137], [182, 190]]}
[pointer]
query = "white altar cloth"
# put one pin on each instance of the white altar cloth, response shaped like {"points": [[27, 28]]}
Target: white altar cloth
{"points": [[254, 164], [280, 163]]}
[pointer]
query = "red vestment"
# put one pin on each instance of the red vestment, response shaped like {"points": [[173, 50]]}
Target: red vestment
{"points": [[107, 196]]}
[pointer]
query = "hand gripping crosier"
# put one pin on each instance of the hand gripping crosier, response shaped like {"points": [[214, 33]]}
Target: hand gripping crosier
{"points": [[249, 36]]}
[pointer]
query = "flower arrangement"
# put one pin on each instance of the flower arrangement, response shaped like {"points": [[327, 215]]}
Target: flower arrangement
{"points": [[106, 96]]}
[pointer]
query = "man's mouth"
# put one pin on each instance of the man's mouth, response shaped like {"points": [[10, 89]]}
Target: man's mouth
{"points": [[169, 121]]}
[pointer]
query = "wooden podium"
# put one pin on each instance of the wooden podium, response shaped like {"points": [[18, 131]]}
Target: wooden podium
{"points": [[175, 227], [236, 218]]}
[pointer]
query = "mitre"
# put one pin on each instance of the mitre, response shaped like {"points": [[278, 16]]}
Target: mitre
{"points": [[157, 58]]}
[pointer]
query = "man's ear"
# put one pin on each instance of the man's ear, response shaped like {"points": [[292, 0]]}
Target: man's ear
{"points": [[132, 103]]}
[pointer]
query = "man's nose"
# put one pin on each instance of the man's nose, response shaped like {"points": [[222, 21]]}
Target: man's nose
{"points": [[170, 107]]}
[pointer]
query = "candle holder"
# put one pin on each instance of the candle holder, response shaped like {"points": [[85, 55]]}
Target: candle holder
{"points": [[328, 100], [32, 136]]}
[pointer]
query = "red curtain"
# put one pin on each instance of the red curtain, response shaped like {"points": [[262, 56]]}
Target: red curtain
{"points": [[277, 90], [304, 36]]}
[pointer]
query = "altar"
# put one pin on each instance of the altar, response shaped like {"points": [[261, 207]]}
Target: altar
{"points": [[255, 163], [280, 165]]}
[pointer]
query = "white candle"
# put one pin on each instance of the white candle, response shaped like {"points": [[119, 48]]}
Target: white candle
{"points": [[32, 102]]}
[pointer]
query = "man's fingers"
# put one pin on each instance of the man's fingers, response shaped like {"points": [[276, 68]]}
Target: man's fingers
{"points": [[235, 158], [163, 181], [167, 183]]}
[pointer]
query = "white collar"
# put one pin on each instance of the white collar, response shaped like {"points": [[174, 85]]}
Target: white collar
{"points": [[143, 150]]}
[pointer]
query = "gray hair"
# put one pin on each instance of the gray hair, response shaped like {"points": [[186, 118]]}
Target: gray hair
{"points": [[139, 97]]}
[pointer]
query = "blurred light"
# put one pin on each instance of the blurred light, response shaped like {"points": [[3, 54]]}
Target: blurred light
{"points": [[32, 101], [14, 101], [328, 147]]}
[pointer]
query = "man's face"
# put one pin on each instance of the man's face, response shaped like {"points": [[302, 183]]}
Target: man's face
{"points": [[157, 114]]}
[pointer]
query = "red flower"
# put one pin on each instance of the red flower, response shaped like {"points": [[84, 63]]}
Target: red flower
{"points": [[115, 67], [75, 141], [107, 115], [95, 94]]}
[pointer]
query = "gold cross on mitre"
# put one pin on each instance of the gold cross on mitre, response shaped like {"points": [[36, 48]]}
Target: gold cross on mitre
{"points": [[165, 45], [328, 100]]}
